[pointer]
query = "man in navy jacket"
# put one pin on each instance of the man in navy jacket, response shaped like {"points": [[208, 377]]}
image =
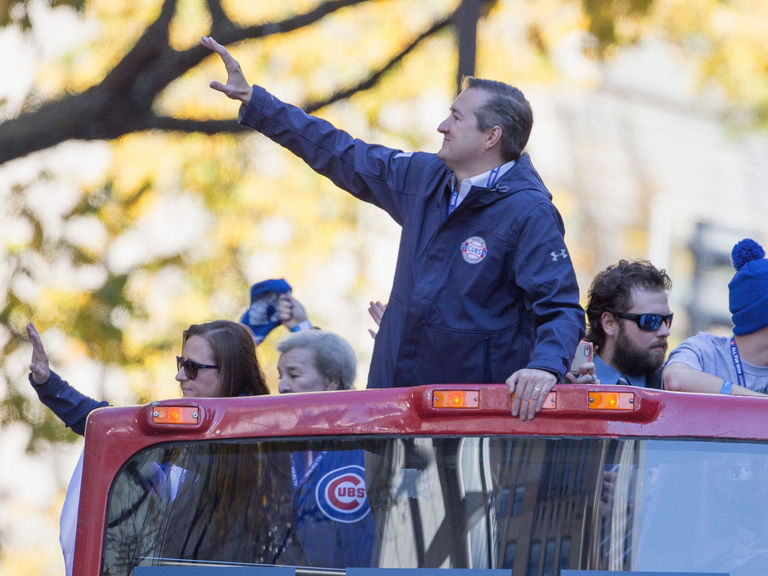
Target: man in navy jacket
{"points": [[484, 288]]}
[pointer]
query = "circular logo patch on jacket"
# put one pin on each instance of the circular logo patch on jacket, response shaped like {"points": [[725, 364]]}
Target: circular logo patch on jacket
{"points": [[474, 250], [341, 494]]}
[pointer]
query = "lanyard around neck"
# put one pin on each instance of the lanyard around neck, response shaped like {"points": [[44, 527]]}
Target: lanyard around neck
{"points": [[306, 462], [736, 357], [453, 201]]}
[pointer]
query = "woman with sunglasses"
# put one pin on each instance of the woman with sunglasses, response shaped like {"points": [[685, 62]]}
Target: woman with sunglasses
{"points": [[218, 359]]}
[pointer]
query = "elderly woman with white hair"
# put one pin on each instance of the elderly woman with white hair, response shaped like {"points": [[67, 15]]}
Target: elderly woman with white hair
{"points": [[315, 360]]}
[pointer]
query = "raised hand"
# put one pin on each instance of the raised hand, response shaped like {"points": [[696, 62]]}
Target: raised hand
{"points": [[38, 366], [290, 311], [237, 86]]}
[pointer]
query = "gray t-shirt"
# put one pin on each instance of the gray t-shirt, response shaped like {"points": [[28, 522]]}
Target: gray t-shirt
{"points": [[712, 354]]}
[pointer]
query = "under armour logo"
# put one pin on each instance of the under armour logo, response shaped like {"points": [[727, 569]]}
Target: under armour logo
{"points": [[555, 256]]}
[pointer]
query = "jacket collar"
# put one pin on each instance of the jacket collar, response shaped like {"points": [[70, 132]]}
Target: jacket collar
{"points": [[522, 176]]}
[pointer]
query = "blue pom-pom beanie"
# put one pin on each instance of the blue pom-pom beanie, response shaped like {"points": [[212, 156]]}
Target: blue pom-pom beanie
{"points": [[748, 289]]}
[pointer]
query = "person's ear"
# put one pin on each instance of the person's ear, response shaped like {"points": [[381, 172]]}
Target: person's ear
{"points": [[494, 137], [609, 324]]}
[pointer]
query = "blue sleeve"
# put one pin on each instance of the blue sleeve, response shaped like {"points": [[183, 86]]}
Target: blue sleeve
{"points": [[371, 172], [544, 272], [71, 406]]}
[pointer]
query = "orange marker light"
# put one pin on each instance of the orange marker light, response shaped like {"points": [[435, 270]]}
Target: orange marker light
{"points": [[455, 399], [550, 402], [611, 401], [175, 415]]}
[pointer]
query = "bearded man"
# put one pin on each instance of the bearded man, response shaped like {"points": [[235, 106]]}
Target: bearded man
{"points": [[628, 323]]}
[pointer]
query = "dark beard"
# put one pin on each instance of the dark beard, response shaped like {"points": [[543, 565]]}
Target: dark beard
{"points": [[633, 362]]}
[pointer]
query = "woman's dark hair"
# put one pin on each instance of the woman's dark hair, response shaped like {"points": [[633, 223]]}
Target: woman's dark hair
{"points": [[235, 355]]}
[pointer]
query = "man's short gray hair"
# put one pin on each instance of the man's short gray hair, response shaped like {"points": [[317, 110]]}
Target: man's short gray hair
{"points": [[334, 357], [507, 108]]}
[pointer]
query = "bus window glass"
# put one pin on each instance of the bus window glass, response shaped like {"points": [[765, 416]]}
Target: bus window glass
{"points": [[525, 504]]}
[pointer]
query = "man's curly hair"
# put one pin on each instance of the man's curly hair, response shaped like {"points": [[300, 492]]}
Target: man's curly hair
{"points": [[612, 288]]}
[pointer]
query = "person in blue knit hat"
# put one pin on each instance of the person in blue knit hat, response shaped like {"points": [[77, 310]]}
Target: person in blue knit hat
{"points": [[736, 364]]}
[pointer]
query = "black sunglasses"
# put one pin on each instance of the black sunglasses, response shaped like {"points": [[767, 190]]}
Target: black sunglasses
{"points": [[646, 322], [191, 367]]}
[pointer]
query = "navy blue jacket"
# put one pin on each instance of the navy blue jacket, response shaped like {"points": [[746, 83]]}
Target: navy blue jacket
{"points": [[477, 294], [71, 406]]}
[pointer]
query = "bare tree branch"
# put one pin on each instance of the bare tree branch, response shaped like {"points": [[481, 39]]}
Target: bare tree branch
{"points": [[221, 21], [122, 103], [189, 125], [218, 126], [376, 75], [291, 24]]}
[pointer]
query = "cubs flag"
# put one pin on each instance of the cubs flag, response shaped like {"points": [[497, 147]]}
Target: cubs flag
{"points": [[333, 519]]}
